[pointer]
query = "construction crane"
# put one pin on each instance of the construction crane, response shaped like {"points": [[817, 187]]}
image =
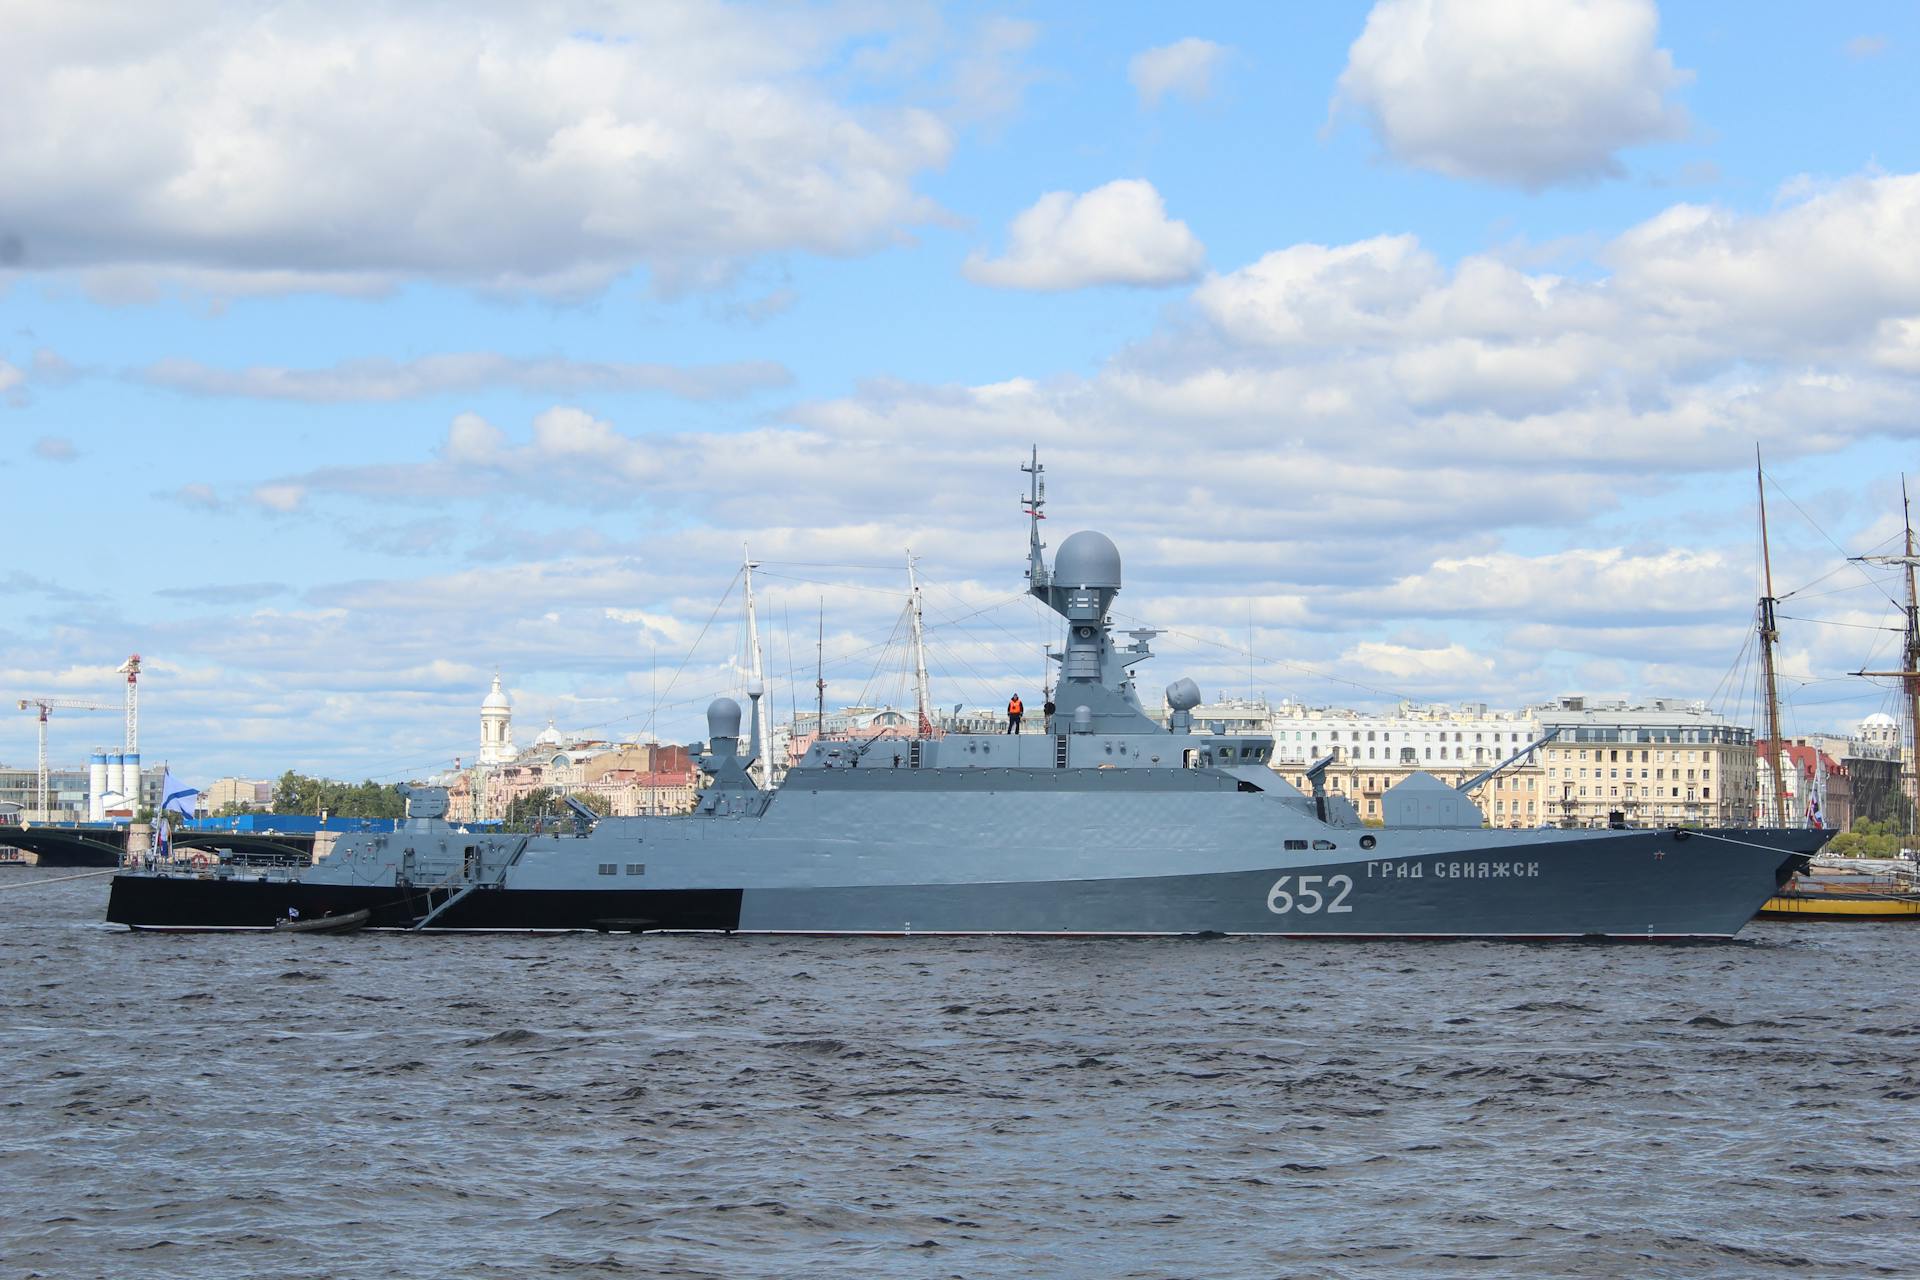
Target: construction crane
{"points": [[46, 707], [131, 670]]}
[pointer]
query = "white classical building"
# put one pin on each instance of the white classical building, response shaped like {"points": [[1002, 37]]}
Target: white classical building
{"points": [[496, 727]]}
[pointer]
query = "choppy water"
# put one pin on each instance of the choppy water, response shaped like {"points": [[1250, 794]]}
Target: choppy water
{"points": [[214, 1106]]}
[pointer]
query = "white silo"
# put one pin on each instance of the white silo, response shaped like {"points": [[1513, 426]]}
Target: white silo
{"points": [[117, 778], [97, 785]]}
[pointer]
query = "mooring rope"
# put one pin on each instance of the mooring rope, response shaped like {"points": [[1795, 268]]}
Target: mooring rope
{"points": [[34, 884]]}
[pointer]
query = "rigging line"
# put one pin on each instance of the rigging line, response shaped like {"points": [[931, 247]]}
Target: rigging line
{"points": [[1739, 660], [999, 604], [838, 586], [823, 564], [1835, 591], [879, 666], [1830, 622], [1278, 662], [718, 605], [954, 656], [1839, 568], [1823, 533]]}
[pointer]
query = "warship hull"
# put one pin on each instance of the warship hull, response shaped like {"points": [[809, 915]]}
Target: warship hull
{"points": [[1107, 823], [1645, 885]]}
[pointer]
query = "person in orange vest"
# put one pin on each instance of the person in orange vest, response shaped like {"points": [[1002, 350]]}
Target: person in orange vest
{"points": [[1014, 710]]}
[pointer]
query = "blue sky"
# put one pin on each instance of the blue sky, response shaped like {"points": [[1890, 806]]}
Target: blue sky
{"points": [[348, 357]]}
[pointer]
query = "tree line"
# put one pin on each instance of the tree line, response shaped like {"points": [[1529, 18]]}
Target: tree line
{"points": [[298, 793]]}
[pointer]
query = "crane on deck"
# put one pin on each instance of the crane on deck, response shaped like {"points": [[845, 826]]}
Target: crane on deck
{"points": [[46, 707]]}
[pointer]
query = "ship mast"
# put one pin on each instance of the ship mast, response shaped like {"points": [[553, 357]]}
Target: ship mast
{"points": [[1909, 674], [1769, 633], [765, 762], [919, 650], [1034, 503], [820, 675]]}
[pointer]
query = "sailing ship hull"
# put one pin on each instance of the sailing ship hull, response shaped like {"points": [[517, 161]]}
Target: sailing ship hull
{"points": [[1617, 884]]}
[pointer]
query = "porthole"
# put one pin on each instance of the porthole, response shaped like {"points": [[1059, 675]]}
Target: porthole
{"points": [[1367, 842], [1325, 844]]}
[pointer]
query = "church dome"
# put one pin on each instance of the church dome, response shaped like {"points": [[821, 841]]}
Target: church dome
{"points": [[1878, 720], [549, 737], [497, 699]]}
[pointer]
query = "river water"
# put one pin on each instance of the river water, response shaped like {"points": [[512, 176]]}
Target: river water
{"points": [[584, 1105]]}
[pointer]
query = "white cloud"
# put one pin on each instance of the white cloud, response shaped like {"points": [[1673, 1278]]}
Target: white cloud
{"points": [[1528, 95], [54, 449], [1115, 234], [1605, 582], [1449, 667], [1692, 292], [350, 145], [381, 379], [1185, 68], [280, 498], [10, 377]]}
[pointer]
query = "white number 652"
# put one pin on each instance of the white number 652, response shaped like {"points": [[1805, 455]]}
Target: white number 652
{"points": [[1281, 900]]}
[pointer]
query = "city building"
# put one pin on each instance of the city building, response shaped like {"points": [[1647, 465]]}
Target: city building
{"points": [[1659, 763], [621, 779], [237, 793], [68, 793], [1373, 751]]}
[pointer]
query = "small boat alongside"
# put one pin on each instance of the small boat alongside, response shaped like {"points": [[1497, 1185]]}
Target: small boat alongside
{"points": [[348, 922], [1846, 893]]}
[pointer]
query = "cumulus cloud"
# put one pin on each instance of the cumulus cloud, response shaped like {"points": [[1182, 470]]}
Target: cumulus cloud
{"points": [[1115, 234], [350, 145], [1527, 95], [1185, 68], [381, 379], [54, 449], [1692, 292]]}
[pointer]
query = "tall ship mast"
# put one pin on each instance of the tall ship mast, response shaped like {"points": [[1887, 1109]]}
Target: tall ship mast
{"points": [[1769, 633], [1909, 674]]}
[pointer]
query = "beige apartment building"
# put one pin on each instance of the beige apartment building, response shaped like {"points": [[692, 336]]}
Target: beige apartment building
{"points": [[1661, 763]]}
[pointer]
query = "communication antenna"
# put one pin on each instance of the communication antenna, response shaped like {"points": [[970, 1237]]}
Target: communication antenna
{"points": [[754, 674], [919, 650], [820, 675]]}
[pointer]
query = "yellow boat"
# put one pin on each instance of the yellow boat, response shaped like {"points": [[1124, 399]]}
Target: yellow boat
{"points": [[1827, 900]]}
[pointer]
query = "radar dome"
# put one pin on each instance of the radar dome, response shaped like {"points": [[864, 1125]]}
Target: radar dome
{"points": [[723, 718], [1087, 559], [1183, 694]]}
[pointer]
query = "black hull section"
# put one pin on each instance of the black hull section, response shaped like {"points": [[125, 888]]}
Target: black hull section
{"points": [[189, 902]]}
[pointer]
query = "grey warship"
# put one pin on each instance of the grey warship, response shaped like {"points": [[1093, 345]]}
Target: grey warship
{"points": [[1107, 823]]}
